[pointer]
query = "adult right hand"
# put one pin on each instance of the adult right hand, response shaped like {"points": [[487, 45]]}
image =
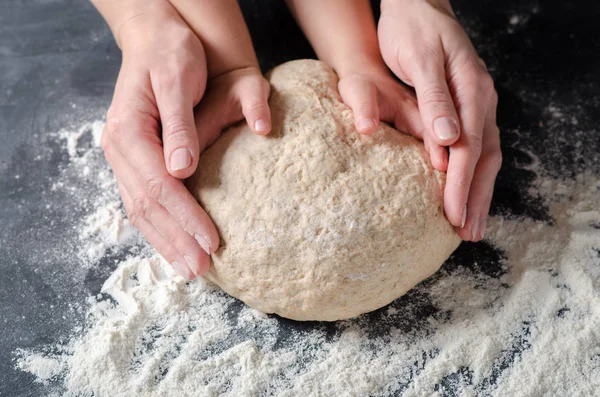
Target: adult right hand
{"points": [[150, 138]]}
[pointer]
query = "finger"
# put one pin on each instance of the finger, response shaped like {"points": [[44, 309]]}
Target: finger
{"points": [[142, 209], [473, 90], [175, 99], [438, 156], [194, 256], [164, 248], [399, 107], [212, 117], [408, 119], [361, 96], [436, 103], [252, 92], [142, 151], [482, 187]]}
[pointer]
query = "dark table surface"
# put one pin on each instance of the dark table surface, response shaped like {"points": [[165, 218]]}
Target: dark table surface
{"points": [[58, 64]]}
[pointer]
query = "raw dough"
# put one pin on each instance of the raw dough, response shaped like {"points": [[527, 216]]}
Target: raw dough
{"points": [[318, 222]]}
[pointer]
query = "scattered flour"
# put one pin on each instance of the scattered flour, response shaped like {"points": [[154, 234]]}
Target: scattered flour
{"points": [[532, 328], [73, 138], [106, 226], [43, 367]]}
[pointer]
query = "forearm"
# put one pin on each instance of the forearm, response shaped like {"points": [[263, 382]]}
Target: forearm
{"points": [[341, 32], [443, 5], [121, 13], [221, 27], [219, 24]]}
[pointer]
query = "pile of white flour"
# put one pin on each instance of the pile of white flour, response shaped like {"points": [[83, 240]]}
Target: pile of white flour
{"points": [[532, 328]]}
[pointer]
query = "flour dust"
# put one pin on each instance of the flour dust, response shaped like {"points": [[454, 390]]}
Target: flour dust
{"points": [[517, 315]]}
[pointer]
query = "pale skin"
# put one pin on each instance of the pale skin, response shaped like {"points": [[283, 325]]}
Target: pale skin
{"points": [[424, 45], [151, 139], [189, 70]]}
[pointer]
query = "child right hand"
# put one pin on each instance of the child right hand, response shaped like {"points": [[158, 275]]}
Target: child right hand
{"points": [[230, 98]]}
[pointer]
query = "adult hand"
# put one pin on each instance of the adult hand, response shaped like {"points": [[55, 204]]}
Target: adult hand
{"points": [[150, 138], [426, 47]]}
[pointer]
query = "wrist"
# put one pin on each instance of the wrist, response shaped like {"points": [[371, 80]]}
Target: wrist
{"points": [[129, 19], [358, 63], [220, 26], [439, 4]]}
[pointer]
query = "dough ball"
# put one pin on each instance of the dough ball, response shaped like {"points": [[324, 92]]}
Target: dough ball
{"points": [[318, 222]]}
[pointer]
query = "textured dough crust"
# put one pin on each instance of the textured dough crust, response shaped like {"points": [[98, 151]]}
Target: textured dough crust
{"points": [[318, 222]]}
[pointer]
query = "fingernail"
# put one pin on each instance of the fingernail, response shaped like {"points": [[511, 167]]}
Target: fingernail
{"points": [[445, 128], [192, 265], [261, 125], [464, 217], [180, 159], [182, 270], [203, 241], [475, 228], [366, 124], [482, 226]]}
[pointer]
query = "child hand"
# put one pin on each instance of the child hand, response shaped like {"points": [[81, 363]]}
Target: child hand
{"points": [[425, 46], [236, 95], [374, 95]]}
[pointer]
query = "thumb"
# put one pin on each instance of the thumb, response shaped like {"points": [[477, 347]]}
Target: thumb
{"points": [[361, 95], [252, 91], [230, 98], [180, 141], [435, 103], [218, 109]]}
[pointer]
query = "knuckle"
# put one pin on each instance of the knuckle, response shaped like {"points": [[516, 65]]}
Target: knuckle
{"points": [[112, 131], [434, 95], [154, 188], [494, 98], [166, 81], [139, 209], [168, 77], [175, 126], [346, 86], [112, 112], [180, 71], [189, 38], [424, 57], [485, 82], [475, 145], [253, 89], [255, 103], [494, 160], [105, 143], [265, 86], [366, 106]]}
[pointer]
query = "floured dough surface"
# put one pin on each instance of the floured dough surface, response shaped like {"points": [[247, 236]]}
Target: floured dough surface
{"points": [[318, 222]]}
